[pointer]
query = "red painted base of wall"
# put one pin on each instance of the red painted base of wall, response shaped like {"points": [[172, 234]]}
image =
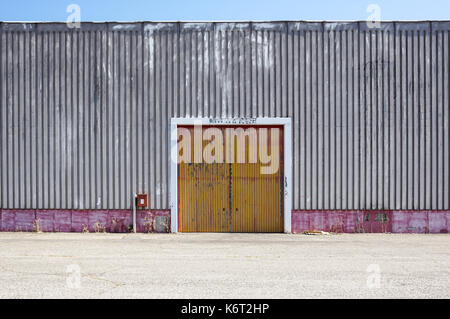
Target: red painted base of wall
{"points": [[111, 221], [119, 221], [434, 222]]}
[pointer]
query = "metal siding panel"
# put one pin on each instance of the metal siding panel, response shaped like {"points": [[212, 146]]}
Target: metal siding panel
{"points": [[355, 120], [415, 123], [77, 112], [253, 74], [392, 124], [422, 121], [113, 195], [133, 140], [157, 117], [440, 121], [163, 187], [117, 105], [446, 115], [302, 125], [404, 119], [97, 122], [434, 122], [371, 116], [308, 121], [128, 115], [380, 123], [145, 117], [123, 107], [2, 124], [149, 124], [212, 106], [319, 181], [409, 111], [332, 122], [51, 122], [314, 119], [266, 68], [397, 125], [294, 96], [85, 87], [326, 121], [345, 124], [206, 73], [370, 108], [22, 118], [15, 115], [139, 112], [104, 158], [351, 126], [57, 120], [362, 120], [339, 111], [344, 121]]}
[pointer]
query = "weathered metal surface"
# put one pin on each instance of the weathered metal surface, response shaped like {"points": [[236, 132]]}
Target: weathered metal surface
{"points": [[114, 221], [153, 221], [204, 197], [374, 222], [434, 222], [84, 114], [256, 198], [411, 222], [23, 220], [439, 222], [234, 196], [8, 221], [118, 221], [329, 221], [47, 221]]}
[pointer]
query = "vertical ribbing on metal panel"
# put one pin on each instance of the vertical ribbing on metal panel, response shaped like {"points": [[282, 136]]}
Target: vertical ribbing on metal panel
{"points": [[85, 113]]}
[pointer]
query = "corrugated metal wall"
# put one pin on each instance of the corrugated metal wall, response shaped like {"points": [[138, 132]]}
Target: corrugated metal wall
{"points": [[85, 113]]}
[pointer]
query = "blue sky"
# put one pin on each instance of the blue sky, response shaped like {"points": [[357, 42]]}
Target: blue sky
{"points": [[177, 10]]}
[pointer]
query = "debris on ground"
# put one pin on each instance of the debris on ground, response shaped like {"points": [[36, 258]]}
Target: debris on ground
{"points": [[315, 232]]}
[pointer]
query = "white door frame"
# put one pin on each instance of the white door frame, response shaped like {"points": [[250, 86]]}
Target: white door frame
{"points": [[287, 133]]}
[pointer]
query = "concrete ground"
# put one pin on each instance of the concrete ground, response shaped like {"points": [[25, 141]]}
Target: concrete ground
{"points": [[224, 266]]}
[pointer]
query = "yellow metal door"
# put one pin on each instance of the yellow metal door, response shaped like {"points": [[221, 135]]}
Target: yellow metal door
{"points": [[230, 197], [204, 197], [257, 198]]}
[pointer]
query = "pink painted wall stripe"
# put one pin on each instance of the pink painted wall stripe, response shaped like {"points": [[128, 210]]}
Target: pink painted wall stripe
{"points": [[435, 222], [119, 221], [115, 221]]}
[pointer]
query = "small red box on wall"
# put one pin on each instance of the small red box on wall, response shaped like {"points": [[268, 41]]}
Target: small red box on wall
{"points": [[142, 200]]}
